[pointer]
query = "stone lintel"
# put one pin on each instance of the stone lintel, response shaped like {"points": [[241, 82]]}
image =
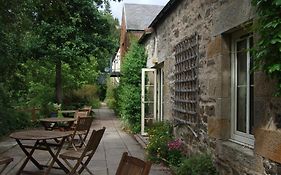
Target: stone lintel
{"points": [[233, 15], [214, 47]]}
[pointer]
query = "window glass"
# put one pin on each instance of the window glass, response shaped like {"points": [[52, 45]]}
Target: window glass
{"points": [[241, 85]]}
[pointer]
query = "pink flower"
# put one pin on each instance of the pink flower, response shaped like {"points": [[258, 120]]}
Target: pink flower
{"points": [[175, 144]]}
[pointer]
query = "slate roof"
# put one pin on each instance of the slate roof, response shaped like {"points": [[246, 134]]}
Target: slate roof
{"points": [[139, 16]]}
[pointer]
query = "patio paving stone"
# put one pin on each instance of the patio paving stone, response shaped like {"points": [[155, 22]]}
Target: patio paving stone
{"points": [[106, 159]]}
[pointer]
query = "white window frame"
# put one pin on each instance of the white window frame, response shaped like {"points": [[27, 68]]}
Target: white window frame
{"points": [[160, 99], [237, 136]]}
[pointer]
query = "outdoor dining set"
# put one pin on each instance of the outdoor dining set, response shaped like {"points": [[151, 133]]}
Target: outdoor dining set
{"points": [[68, 134]]}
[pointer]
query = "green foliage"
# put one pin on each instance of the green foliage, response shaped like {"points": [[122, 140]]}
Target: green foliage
{"points": [[36, 35], [200, 164], [162, 146], [11, 120], [129, 106], [95, 103], [70, 33], [111, 94], [86, 95], [129, 91], [160, 134], [268, 49]]}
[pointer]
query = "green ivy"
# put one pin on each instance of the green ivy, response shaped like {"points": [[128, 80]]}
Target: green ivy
{"points": [[268, 49]]}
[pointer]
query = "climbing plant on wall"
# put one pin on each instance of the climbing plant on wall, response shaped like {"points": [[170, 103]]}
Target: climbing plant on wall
{"points": [[268, 49]]}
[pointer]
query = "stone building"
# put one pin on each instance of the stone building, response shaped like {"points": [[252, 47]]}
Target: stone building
{"points": [[199, 51], [135, 18]]}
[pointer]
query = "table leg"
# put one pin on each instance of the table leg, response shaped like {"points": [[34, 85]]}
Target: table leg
{"points": [[55, 156], [28, 156]]}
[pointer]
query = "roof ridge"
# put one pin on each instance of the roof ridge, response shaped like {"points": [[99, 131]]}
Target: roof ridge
{"points": [[143, 4]]}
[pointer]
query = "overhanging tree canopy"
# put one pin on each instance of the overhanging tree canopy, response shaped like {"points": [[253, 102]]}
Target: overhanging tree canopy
{"points": [[68, 31]]}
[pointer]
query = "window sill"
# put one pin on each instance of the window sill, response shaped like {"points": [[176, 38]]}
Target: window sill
{"points": [[230, 150], [242, 144], [243, 147]]}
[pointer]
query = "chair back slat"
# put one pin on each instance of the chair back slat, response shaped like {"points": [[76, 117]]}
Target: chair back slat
{"points": [[87, 108], [94, 140], [84, 123], [80, 114], [131, 165]]}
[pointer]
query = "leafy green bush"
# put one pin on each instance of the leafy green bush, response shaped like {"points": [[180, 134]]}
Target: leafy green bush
{"points": [[11, 120], [129, 90], [95, 103], [86, 95], [200, 164], [111, 94], [160, 134], [129, 107]]}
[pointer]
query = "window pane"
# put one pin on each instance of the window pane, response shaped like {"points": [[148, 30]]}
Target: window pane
{"points": [[241, 85], [241, 109], [241, 63], [252, 121]]}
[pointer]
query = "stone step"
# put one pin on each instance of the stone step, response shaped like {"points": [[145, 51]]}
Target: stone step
{"points": [[142, 140]]}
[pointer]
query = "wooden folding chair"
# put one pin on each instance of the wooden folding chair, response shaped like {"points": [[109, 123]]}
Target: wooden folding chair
{"points": [[83, 156], [130, 165], [80, 114], [81, 130], [87, 108], [5, 161]]}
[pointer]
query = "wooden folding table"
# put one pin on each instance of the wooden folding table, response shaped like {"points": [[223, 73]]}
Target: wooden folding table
{"points": [[42, 140]]}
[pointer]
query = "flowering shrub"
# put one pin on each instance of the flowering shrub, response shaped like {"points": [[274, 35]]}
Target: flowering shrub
{"points": [[162, 146], [159, 135], [175, 153]]}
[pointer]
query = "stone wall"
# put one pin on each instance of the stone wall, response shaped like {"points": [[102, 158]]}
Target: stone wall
{"points": [[214, 21]]}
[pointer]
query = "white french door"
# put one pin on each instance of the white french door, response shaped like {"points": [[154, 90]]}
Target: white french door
{"points": [[148, 98], [160, 92]]}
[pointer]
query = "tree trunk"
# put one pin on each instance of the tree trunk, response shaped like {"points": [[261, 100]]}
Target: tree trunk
{"points": [[58, 83]]}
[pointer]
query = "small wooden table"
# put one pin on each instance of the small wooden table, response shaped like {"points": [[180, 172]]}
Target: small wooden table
{"points": [[51, 123], [41, 138]]}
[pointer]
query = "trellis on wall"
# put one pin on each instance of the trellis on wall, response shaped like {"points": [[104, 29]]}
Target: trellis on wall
{"points": [[186, 80]]}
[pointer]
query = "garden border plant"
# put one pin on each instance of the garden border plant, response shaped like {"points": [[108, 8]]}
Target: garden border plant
{"points": [[164, 147], [197, 164]]}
